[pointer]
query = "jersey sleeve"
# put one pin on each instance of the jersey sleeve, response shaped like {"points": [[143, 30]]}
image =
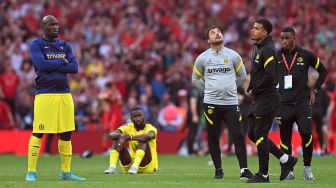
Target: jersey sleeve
{"points": [[72, 66], [269, 66], [125, 129], [198, 72], [151, 128], [39, 61], [239, 69], [314, 62]]}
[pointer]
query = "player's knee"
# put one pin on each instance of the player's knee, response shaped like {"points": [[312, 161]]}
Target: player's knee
{"points": [[306, 137], [142, 145], [251, 137], [114, 145], [66, 136], [238, 138], [38, 135]]}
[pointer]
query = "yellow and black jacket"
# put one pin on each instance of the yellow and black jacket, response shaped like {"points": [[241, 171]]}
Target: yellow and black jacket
{"points": [[264, 71], [299, 71]]}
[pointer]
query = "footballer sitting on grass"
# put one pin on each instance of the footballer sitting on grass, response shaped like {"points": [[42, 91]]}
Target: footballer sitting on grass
{"points": [[142, 155]]}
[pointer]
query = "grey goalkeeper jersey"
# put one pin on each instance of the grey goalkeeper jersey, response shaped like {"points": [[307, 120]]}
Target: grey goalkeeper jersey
{"points": [[218, 74]]}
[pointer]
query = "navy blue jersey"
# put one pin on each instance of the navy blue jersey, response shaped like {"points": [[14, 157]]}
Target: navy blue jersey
{"points": [[50, 67]]}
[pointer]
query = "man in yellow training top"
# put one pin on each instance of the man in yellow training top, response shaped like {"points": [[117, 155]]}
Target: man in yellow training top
{"points": [[141, 137]]}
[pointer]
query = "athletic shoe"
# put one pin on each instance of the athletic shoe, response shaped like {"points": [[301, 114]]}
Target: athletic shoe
{"points": [[258, 178], [133, 169], [31, 176], [70, 176], [287, 167], [246, 175], [307, 173], [290, 176], [219, 174], [111, 170]]}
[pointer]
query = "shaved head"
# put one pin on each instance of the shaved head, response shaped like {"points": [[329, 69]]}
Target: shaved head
{"points": [[47, 19], [50, 27]]}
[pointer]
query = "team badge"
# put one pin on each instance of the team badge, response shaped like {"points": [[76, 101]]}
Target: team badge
{"points": [[257, 57], [226, 61], [41, 126], [300, 59], [210, 111]]}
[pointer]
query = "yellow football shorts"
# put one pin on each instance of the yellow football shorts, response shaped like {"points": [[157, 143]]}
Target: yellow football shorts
{"points": [[148, 169], [53, 113]]}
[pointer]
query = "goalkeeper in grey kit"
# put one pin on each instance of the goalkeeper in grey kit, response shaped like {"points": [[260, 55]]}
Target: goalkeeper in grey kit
{"points": [[218, 72]]}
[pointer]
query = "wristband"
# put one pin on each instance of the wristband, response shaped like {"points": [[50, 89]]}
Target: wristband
{"points": [[315, 90]]}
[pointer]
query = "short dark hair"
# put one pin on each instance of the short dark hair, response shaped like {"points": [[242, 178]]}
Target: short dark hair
{"points": [[266, 24], [136, 109], [209, 29], [289, 30]]}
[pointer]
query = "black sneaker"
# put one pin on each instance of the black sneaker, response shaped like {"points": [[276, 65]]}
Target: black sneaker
{"points": [[258, 178], [219, 174], [246, 175], [287, 167]]}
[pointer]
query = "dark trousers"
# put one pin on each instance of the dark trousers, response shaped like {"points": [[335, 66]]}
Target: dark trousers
{"points": [[260, 120], [301, 114], [193, 127], [259, 128], [318, 119], [230, 114]]}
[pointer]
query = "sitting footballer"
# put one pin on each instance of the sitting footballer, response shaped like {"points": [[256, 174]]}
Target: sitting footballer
{"points": [[141, 137]]}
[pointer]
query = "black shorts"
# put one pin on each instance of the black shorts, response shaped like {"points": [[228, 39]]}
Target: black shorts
{"points": [[265, 106], [300, 113], [230, 114]]}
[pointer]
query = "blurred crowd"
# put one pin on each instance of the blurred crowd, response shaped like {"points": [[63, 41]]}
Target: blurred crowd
{"points": [[141, 52]]}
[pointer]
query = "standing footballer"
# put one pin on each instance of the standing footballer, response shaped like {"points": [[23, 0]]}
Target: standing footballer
{"points": [[53, 59], [217, 73], [296, 98], [265, 101]]}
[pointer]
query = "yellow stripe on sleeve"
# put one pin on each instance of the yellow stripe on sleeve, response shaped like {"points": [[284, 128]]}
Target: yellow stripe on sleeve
{"points": [[268, 60], [283, 146], [317, 63], [259, 140], [239, 66], [197, 71], [209, 120], [309, 142]]}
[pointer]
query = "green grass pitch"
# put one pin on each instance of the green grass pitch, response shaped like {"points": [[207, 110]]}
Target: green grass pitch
{"points": [[174, 171]]}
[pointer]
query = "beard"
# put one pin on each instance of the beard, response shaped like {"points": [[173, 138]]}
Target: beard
{"points": [[217, 42], [139, 123], [53, 35]]}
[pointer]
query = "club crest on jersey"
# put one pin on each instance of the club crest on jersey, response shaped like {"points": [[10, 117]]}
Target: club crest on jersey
{"points": [[41, 126], [300, 59], [226, 61], [257, 58], [210, 111]]}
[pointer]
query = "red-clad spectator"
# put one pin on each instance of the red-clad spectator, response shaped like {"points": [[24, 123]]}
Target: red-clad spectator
{"points": [[6, 118], [9, 82], [112, 111], [332, 113]]}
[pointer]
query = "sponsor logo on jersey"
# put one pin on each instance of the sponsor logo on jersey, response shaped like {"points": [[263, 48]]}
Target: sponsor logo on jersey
{"points": [[55, 56], [219, 70]]}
